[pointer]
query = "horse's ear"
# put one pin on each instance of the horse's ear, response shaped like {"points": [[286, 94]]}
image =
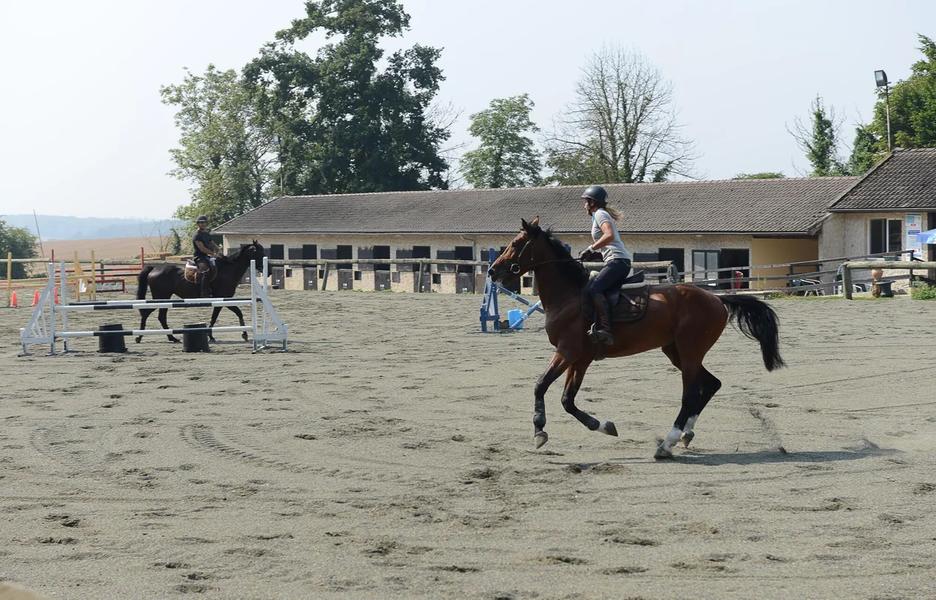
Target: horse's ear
{"points": [[524, 225], [535, 221]]}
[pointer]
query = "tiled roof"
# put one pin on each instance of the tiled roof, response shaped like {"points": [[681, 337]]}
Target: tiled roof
{"points": [[906, 179], [791, 206]]}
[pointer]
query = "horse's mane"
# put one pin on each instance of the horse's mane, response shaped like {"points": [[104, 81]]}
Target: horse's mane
{"points": [[233, 256], [570, 269]]}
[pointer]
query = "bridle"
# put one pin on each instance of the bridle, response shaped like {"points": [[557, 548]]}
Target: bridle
{"points": [[514, 265]]}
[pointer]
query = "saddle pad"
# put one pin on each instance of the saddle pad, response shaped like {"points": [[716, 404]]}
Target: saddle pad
{"points": [[631, 304]]}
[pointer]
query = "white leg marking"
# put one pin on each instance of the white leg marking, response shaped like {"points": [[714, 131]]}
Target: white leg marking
{"points": [[671, 438], [690, 424]]}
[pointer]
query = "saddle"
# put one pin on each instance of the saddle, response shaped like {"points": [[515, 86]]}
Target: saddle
{"points": [[192, 275], [628, 303]]}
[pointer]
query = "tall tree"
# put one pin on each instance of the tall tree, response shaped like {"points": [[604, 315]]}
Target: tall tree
{"points": [[506, 156], [18, 241], [912, 104], [350, 119], [225, 149], [819, 140], [621, 127], [866, 150]]}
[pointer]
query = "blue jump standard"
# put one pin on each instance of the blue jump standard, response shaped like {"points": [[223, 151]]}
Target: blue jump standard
{"points": [[489, 305]]}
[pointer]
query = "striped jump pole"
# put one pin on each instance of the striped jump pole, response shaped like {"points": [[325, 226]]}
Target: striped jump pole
{"points": [[49, 322]]}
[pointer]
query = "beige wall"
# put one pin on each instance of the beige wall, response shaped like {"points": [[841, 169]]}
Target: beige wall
{"points": [[637, 243], [848, 234], [771, 251]]}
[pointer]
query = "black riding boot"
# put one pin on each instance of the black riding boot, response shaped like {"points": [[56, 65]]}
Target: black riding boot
{"points": [[601, 330]]}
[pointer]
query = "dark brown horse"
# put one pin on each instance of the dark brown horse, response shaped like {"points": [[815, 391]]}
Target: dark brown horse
{"points": [[684, 320], [164, 280]]}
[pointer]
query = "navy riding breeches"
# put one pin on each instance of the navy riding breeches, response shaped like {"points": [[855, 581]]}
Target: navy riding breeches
{"points": [[612, 275]]}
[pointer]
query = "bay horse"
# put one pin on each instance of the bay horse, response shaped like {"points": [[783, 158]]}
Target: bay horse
{"points": [[683, 320], [164, 280]]}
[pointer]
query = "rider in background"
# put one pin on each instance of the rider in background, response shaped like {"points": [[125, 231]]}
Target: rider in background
{"points": [[204, 251], [616, 257]]}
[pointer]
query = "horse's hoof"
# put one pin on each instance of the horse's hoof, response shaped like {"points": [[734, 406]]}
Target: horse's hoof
{"points": [[540, 438], [212, 340], [174, 340], [662, 453], [686, 438], [139, 339], [608, 428]]}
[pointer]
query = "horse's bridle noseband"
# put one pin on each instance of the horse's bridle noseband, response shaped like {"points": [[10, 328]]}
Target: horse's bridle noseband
{"points": [[514, 266]]}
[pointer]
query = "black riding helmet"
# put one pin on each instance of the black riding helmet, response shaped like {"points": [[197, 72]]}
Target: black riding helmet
{"points": [[201, 219], [596, 193]]}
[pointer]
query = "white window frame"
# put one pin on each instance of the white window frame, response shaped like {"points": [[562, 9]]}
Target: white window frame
{"points": [[704, 272]]}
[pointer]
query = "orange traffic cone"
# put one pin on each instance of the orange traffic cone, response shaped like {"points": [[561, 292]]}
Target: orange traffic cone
{"points": [[35, 298], [13, 303]]}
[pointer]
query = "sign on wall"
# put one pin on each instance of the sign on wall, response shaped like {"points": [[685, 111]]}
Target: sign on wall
{"points": [[914, 225]]}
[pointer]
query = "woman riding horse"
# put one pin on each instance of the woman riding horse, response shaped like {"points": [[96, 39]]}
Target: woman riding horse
{"points": [[684, 320]]}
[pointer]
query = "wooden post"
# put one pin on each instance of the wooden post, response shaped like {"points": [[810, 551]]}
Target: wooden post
{"points": [[847, 281], [325, 278], [93, 277], [9, 277], [78, 275]]}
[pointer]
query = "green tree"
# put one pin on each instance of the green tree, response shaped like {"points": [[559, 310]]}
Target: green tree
{"points": [[175, 242], [506, 156], [819, 140], [621, 127], [225, 149], [912, 105], [761, 175], [18, 241], [350, 119], [865, 152]]}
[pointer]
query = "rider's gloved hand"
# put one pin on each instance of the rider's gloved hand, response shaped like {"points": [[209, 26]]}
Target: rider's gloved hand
{"points": [[585, 252]]}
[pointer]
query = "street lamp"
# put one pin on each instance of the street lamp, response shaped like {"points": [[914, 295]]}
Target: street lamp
{"points": [[880, 80]]}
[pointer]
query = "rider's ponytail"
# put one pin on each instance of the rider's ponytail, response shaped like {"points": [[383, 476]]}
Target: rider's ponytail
{"points": [[603, 205]]}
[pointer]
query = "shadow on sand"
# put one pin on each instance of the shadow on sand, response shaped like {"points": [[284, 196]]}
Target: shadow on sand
{"points": [[781, 456]]}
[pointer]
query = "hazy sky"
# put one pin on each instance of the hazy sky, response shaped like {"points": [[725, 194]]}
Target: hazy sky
{"points": [[84, 133]]}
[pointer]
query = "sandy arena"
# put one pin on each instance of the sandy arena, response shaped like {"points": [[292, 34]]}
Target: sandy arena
{"points": [[389, 454]]}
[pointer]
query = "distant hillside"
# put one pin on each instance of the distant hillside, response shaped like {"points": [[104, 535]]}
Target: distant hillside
{"points": [[91, 228]]}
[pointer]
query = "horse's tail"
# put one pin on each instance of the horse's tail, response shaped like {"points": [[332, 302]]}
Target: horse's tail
{"points": [[142, 282], [758, 321]]}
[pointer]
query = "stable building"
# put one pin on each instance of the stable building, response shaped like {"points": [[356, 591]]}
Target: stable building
{"points": [[885, 210], [699, 225]]}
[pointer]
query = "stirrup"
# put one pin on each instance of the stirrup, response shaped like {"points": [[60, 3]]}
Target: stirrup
{"points": [[601, 336]]}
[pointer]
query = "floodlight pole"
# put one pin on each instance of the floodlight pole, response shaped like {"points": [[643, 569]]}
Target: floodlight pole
{"points": [[880, 80]]}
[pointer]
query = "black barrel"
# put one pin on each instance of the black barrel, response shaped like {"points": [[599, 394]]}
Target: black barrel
{"points": [[195, 341], [111, 342]]}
